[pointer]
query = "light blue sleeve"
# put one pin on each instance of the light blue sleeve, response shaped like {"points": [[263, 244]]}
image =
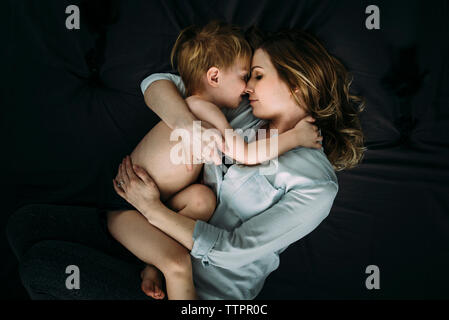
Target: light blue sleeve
{"points": [[163, 76], [294, 216], [238, 117]]}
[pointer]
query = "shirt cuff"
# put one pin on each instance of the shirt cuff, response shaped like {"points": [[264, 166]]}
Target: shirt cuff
{"points": [[204, 237], [150, 79], [147, 81]]}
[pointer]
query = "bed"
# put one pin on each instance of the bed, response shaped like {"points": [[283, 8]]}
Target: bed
{"points": [[72, 109]]}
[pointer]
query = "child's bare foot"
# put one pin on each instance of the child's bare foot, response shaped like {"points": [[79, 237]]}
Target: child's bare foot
{"points": [[152, 282]]}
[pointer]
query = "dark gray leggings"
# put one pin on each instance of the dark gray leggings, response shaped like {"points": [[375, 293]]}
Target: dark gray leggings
{"points": [[48, 238]]}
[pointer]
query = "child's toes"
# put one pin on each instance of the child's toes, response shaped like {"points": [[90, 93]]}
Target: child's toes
{"points": [[148, 288], [159, 294]]}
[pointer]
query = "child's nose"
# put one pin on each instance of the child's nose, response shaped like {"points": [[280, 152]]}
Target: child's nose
{"points": [[248, 89]]}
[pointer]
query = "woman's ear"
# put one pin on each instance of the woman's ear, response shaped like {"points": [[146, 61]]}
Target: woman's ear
{"points": [[212, 76], [299, 97], [294, 92]]}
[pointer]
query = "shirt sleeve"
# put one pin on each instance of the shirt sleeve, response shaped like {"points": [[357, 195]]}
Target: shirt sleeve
{"points": [[294, 216], [163, 76]]}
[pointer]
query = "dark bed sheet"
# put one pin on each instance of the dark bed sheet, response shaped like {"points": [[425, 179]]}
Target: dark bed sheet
{"points": [[72, 108]]}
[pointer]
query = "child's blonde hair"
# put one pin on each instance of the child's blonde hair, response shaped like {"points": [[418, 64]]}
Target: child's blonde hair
{"points": [[217, 44]]}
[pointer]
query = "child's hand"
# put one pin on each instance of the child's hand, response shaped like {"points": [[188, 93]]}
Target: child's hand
{"points": [[308, 133]]}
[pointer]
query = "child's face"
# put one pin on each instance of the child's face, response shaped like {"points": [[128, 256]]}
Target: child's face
{"points": [[233, 83]]}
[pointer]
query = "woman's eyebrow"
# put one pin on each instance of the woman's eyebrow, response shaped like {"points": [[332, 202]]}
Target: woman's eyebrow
{"points": [[256, 67]]}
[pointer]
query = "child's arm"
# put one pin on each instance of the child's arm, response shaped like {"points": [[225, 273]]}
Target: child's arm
{"points": [[209, 112], [303, 134]]}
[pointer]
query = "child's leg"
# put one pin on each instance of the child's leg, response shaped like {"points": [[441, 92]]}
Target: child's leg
{"points": [[197, 202], [153, 246]]}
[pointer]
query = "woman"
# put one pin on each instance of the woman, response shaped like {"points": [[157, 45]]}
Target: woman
{"points": [[214, 79], [258, 216]]}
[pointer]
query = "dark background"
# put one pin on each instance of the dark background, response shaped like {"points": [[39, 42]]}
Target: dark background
{"points": [[71, 108]]}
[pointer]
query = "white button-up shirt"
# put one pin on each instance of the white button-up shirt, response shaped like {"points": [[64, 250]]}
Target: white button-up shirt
{"points": [[259, 213]]}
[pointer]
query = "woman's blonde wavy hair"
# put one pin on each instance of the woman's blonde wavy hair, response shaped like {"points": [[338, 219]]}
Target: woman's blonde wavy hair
{"points": [[323, 82]]}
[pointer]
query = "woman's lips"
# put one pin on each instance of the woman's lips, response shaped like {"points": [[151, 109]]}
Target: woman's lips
{"points": [[252, 101]]}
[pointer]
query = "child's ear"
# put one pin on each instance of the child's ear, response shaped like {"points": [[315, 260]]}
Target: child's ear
{"points": [[212, 76]]}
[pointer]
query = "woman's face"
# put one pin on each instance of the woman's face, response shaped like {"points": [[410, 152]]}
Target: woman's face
{"points": [[269, 96]]}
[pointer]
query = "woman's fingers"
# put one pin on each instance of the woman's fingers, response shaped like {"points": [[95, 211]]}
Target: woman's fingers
{"points": [[220, 144], [214, 156], [210, 137], [120, 192], [118, 174], [215, 143], [143, 174], [124, 174], [189, 163], [211, 154], [129, 169], [121, 177], [188, 157], [207, 154]]}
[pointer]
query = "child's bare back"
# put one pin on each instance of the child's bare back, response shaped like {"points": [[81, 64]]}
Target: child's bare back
{"points": [[153, 154]]}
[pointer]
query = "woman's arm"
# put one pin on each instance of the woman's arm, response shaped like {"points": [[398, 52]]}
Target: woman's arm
{"points": [[295, 215], [163, 94], [163, 97], [139, 189]]}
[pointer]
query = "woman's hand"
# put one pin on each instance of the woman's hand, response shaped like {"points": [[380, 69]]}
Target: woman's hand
{"points": [[308, 134], [135, 185], [199, 137]]}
